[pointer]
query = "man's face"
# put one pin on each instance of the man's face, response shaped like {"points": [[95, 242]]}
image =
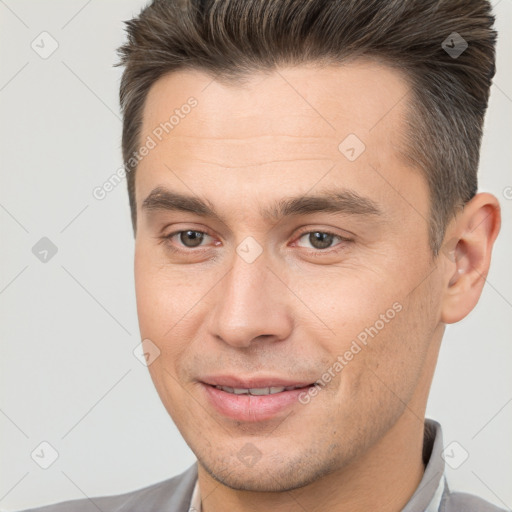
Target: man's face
{"points": [[264, 294]]}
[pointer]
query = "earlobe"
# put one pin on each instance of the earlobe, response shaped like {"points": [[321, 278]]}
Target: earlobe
{"points": [[468, 255]]}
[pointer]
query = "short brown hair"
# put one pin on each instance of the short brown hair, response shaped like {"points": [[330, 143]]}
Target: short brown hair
{"points": [[232, 38]]}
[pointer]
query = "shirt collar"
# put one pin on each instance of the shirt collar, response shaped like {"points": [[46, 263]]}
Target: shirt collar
{"points": [[195, 502], [429, 492], [432, 486]]}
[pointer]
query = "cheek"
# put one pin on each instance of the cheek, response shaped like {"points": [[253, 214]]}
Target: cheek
{"points": [[170, 305], [159, 301], [353, 306], [396, 357], [160, 306], [149, 292], [159, 290], [370, 322]]}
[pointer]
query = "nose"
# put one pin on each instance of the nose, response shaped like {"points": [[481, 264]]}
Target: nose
{"points": [[252, 304]]}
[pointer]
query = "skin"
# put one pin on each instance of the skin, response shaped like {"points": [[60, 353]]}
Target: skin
{"points": [[356, 445]]}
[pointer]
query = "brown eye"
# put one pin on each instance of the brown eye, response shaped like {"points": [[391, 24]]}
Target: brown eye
{"points": [[191, 238], [320, 239]]}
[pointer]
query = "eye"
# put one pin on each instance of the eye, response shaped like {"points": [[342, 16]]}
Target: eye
{"points": [[320, 240]]}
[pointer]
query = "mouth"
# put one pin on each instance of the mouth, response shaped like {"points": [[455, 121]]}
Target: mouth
{"points": [[271, 390], [252, 400]]}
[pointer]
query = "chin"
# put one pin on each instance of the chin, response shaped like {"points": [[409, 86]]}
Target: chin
{"points": [[266, 480], [270, 475]]}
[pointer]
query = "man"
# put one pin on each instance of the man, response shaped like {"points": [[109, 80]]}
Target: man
{"points": [[302, 178]]}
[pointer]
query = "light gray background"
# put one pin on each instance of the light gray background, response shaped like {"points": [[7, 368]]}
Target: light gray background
{"points": [[69, 326]]}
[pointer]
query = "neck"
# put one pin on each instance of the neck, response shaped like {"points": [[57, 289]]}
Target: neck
{"points": [[383, 479]]}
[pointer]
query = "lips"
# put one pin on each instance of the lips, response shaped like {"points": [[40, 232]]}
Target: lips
{"points": [[252, 399]]}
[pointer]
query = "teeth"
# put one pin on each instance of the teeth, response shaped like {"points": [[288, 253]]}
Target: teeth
{"points": [[256, 391]]}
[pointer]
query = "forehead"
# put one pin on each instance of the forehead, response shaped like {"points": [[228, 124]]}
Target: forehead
{"points": [[361, 96], [274, 132]]}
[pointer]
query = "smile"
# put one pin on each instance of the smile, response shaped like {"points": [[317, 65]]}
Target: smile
{"points": [[252, 404], [257, 391]]}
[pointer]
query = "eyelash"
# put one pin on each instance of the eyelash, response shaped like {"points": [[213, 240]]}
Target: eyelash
{"points": [[314, 252]]}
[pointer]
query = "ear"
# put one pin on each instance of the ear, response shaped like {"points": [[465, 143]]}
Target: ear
{"points": [[467, 255]]}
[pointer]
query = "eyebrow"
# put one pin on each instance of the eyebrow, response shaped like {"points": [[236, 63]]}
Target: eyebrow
{"points": [[345, 202]]}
